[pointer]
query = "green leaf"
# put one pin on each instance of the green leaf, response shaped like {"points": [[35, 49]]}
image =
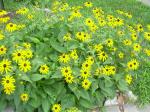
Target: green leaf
{"points": [[45, 105], [122, 85], [25, 78], [85, 103], [84, 94], [37, 77], [57, 74], [3, 104], [35, 40], [72, 44], [57, 46], [68, 101]]}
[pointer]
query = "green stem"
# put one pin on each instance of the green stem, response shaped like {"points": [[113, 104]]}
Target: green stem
{"points": [[1, 4]]}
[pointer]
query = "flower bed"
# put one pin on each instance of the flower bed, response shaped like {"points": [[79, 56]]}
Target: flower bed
{"points": [[73, 56]]}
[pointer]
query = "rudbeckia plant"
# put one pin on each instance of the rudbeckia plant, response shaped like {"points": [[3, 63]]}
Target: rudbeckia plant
{"points": [[71, 58]]}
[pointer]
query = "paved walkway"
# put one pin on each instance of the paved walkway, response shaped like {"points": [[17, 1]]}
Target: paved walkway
{"points": [[147, 2], [129, 108]]}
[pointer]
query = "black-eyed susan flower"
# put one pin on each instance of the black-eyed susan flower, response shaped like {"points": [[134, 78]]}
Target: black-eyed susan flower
{"points": [[85, 73], [89, 22], [98, 47], [86, 65], [11, 27], [88, 4], [67, 37], [5, 66], [44, 69], [26, 45], [7, 80], [28, 53], [66, 71], [127, 42], [147, 35], [24, 97], [86, 84], [147, 52], [1, 36], [69, 78], [90, 60], [139, 28], [64, 58], [121, 55], [3, 50], [9, 89], [109, 42], [136, 47], [101, 22], [134, 36], [18, 55], [73, 54], [30, 16], [56, 108], [128, 79], [99, 71], [24, 65], [133, 64], [22, 11], [102, 56]]}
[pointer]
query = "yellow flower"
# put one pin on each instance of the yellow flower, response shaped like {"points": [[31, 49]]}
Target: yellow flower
{"points": [[85, 73], [99, 71], [89, 22], [133, 64], [147, 35], [74, 54], [128, 79], [137, 47], [3, 50], [11, 27], [30, 16], [67, 37], [120, 33], [139, 28], [98, 47], [9, 89], [86, 65], [56, 108], [27, 45], [2, 36], [88, 4], [86, 84], [28, 53], [24, 97], [82, 36], [102, 56], [44, 69], [127, 42], [147, 52], [3, 12], [18, 55], [5, 66], [134, 36], [66, 71], [119, 21], [109, 70], [22, 11], [69, 78], [121, 55], [90, 60], [101, 22], [109, 42], [64, 58], [24, 65], [7, 80]]}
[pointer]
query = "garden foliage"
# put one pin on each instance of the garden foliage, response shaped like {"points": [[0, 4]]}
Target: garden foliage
{"points": [[68, 56]]}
